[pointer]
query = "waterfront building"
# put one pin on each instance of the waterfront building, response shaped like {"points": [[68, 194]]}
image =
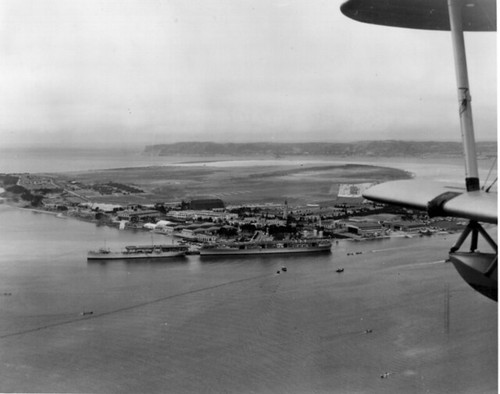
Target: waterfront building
{"points": [[206, 204], [215, 215], [409, 227], [329, 224], [203, 237], [108, 208], [182, 215], [168, 230], [163, 223], [149, 226], [364, 229], [138, 215]]}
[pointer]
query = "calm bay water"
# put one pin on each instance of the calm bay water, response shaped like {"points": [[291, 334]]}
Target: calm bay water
{"points": [[234, 325], [59, 160]]}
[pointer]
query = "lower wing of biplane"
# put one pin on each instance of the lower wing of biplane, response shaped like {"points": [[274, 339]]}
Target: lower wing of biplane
{"points": [[470, 202], [478, 269]]}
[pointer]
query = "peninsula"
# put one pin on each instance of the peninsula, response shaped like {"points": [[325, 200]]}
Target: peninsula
{"points": [[203, 202]]}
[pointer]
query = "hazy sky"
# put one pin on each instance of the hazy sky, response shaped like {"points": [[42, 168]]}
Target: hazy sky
{"points": [[87, 72]]}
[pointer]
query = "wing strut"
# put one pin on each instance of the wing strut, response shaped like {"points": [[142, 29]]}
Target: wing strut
{"points": [[478, 269], [464, 99]]}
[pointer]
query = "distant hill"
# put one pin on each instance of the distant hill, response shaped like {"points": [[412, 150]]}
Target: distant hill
{"points": [[389, 148]]}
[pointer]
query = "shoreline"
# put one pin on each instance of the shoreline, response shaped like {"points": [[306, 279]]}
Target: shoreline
{"points": [[304, 184], [253, 161], [384, 313], [391, 235]]}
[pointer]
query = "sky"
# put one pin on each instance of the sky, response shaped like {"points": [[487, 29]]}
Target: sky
{"points": [[143, 72]]}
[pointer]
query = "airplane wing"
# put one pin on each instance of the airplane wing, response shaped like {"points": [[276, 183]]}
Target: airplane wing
{"points": [[437, 199], [478, 15], [478, 269]]}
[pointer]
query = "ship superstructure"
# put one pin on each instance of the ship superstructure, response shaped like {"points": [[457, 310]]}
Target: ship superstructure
{"points": [[262, 244]]}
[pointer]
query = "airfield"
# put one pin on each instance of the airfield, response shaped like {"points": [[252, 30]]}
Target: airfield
{"points": [[271, 181]]}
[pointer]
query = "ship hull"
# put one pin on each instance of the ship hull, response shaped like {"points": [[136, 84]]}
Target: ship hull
{"points": [[138, 253], [138, 256], [263, 251]]}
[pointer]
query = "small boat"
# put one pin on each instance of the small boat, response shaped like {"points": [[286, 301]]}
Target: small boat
{"points": [[339, 270], [87, 313]]}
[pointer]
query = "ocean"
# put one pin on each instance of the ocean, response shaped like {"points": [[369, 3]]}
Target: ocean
{"points": [[399, 319], [37, 160]]}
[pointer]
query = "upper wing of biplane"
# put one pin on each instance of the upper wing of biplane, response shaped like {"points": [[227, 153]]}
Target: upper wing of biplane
{"points": [[477, 15], [474, 15], [471, 202]]}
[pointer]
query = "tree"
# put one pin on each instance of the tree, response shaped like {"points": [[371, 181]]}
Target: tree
{"points": [[36, 200], [248, 227], [227, 231], [161, 208], [10, 180]]}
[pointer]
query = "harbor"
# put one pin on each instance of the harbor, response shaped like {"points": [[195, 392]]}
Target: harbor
{"points": [[382, 311], [249, 197], [234, 324]]}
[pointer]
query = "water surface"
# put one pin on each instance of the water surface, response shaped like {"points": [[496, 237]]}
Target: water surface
{"points": [[235, 324]]}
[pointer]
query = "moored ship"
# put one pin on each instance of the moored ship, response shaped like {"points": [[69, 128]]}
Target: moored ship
{"points": [[139, 252], [266, 247]]}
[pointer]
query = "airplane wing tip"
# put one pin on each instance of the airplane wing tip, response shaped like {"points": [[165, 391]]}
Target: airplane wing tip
{"points": [[479, 15]]}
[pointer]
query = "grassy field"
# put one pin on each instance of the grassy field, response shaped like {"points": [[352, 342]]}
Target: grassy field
{"points": [[298, 184]]}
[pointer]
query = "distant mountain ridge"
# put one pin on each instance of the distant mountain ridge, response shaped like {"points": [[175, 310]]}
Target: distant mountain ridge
{"points": [[388, 148]]}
